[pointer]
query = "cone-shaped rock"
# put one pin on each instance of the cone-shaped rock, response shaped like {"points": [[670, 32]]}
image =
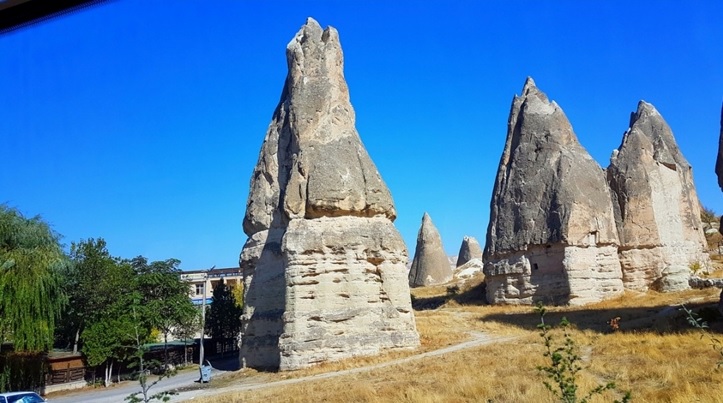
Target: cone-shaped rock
{"points": [[469, 250], [430, 265], [551, 235], [324, 267], [656, 205]]}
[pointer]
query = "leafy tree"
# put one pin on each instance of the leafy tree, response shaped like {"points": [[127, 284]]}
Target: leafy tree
{"points": [[31, 298], [110, 331], [87, 286], [105, 342], [187, 328], [223, 320], [238, 294], [165, 296], [143, 372]]}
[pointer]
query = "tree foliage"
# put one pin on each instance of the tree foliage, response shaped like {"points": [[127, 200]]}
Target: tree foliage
{"points": [[223, 320], [187, 328], [110, 306], [138, 360], [238, 294], [90, 283], [164, 296], [31, 259], [109, 331]]}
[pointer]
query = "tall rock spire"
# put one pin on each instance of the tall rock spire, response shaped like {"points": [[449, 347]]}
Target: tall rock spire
{"points": [[324, 267], [656, 205], [430, 265], [551, 235]]}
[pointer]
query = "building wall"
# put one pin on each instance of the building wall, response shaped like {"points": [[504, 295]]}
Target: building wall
{"points": [[195, 279]]}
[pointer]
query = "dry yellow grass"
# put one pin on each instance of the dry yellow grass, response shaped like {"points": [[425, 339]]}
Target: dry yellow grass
{"points": [[653, 355]]}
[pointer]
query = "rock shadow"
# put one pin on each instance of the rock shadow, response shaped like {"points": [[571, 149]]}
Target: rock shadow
{"points": [[661, 319], [228, 363], [266, 294], [474, 295]]}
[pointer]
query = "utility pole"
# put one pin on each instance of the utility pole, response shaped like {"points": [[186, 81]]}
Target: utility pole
{"points": [[203, 321]]}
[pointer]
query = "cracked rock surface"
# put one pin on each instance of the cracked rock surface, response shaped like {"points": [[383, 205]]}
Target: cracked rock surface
{"points": [[324, 267], [551, 235], [656, 206]]}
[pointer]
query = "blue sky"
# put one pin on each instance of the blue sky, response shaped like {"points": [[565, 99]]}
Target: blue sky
{"points": [[141, 122]]}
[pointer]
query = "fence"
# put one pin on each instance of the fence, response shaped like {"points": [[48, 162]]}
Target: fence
{"points": [[22, 371]]}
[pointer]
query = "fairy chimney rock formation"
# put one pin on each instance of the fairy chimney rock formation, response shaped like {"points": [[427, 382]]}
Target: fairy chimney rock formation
{"points": [[656, 206], [430, 265], [469, 250], [324, 267], [551, 235]]}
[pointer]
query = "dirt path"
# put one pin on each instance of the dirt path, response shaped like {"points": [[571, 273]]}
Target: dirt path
{"points": [[478, 339]]}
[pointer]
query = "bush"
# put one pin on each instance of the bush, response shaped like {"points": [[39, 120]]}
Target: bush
{"points": [[564, 365]]}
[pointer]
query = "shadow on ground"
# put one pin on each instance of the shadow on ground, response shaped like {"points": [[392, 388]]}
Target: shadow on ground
{"points": [[228, 362], [471, 296], [661, 319]]}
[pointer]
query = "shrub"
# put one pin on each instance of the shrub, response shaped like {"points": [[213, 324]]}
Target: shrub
{"points": [[564, 365]]}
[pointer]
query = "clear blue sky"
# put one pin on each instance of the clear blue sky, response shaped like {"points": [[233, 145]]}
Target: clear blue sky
{"points": [[141, 121]]}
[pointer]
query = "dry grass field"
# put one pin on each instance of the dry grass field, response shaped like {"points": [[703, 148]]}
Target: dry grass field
{"points": [[654, 353]]}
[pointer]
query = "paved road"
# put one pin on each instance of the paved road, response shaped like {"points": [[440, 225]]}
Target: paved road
{"points": [[118, 393], [478, 339]]}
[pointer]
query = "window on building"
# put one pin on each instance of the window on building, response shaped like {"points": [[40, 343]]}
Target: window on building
{"points": [[199, 289]]}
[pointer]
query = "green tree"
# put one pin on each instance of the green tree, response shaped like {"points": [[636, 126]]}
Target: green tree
{"points": [[110, 331], [85, 283], [31, 297], [238, 294], [187, 328], [223, 320], [105, 342], [139, 360], [165, 296]]}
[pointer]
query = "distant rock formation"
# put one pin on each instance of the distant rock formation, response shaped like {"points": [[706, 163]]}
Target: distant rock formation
{"points": [[656, 206], [551, 234], [430, 265], [324, 267], [469, 250], [468, 271]]}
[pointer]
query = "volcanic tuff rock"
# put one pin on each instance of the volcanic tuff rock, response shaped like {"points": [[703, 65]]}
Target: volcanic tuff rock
{"points": [[656, 206], [469, 250], [468, 271], [551, 235], [430, 265], [324, 267]]}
